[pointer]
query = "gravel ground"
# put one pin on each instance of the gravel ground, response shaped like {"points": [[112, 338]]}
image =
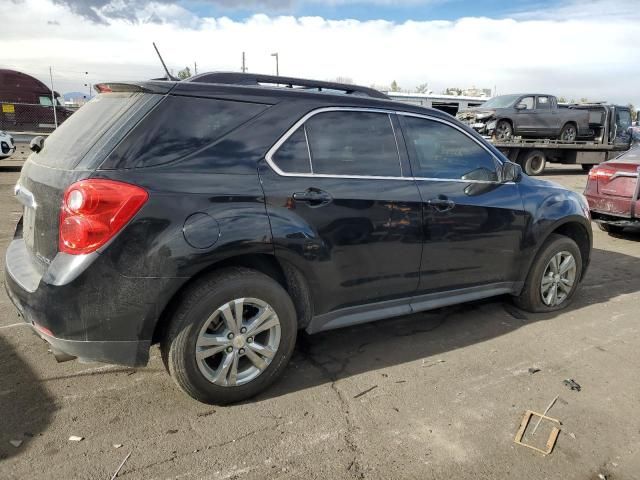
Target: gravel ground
{"points": [[432, 395]]}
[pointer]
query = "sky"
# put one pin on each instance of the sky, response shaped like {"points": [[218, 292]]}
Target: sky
{"points": [[575, 49]]}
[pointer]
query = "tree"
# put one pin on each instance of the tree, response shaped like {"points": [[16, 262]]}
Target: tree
{"points": [[186, 73], [562, 100], [395, 87], [423, 88]]}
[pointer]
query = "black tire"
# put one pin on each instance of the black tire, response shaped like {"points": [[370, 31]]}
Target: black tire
{"points": [[586, 167], [569, 133], [533, 162], [605, 227], [197, 304], [503, 131], [530, 299]]}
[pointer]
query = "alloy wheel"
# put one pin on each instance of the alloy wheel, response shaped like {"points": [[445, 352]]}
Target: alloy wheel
{"points": [[238, 342], [558, 278]]}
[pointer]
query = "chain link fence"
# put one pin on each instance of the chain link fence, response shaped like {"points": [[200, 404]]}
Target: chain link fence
{"points": [[32, 118]]}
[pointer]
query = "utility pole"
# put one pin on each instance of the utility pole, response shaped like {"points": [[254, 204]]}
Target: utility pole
{"points": [[277, 66], [195, 68], [88, 85], [244, 64], [53, 100]]}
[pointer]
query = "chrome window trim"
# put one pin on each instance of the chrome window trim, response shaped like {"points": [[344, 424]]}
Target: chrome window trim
{"points": [[306, 139], [276, 146]]}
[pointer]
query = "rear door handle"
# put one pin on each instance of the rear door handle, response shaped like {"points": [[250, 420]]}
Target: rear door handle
{"points": [[313, 197], [441, 204]]}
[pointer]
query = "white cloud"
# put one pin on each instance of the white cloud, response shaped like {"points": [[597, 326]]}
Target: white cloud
{"points": [[575, 56]]}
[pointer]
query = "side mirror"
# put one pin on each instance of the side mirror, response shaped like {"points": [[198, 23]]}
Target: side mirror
{"points": [[520, 106], [36, 144], [511, 172]]}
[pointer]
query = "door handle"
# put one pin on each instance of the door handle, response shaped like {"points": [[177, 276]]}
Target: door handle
{"points": [[441, 204], [313, 197]]}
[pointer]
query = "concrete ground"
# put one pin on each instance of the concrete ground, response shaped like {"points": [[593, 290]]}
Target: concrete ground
{"points": [[436, 395]]}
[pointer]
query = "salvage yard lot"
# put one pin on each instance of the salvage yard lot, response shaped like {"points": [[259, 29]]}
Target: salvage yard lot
{"points": [[432, 395]]}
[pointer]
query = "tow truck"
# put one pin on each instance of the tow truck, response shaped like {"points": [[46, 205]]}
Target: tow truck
{"points": [[611, 125]]}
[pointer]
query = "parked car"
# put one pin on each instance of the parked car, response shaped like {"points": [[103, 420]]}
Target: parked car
{"points": [[7, 145], [613, 192], [527, 115], [218, 216]]}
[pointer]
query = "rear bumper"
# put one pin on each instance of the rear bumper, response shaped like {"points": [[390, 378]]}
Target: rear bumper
{"points": [[86, 311]]}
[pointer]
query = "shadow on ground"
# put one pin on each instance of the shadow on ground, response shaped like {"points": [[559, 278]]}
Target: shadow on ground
{"points": [[26, 409], [337, 354]]}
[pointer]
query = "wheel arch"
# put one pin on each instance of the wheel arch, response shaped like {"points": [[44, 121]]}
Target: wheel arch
{"points": [[283, 272], [573, 229]]}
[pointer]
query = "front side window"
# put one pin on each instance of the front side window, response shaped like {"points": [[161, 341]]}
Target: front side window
{"points": [[623, 119], [527, 102], [45, 101], [441, 151], [353, 143]]}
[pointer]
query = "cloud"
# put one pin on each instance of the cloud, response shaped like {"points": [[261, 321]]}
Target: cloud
{"points": [[593, 57]]}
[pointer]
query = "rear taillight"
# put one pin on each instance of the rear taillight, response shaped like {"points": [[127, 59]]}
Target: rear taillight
{"points": [[601, 172], [94, 210]]}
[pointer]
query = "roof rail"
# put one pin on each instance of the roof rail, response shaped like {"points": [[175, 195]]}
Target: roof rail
{"points": [[256, 79]]}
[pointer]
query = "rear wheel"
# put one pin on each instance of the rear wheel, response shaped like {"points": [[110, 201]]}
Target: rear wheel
{"points": [[554, 276], [504, 131], [533, 162], [606, 227], [231, 336], [569, 133]]}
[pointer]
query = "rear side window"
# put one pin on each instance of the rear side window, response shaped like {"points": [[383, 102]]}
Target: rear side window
{"points": [[543, 103], [353, 143], [441, 151], [293, 155], [68, 144], [179, 126]]}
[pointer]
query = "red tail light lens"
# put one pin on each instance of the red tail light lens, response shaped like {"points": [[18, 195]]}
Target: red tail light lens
{"points": [[601, 172], [94, 210]]}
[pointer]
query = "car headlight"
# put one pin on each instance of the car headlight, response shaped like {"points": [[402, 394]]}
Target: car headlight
{"points": [[484, 115]]}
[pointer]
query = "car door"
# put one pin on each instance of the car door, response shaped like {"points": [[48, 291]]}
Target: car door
{"points": [[344, 209], [473, 224], [524, 119], [545, 119]]}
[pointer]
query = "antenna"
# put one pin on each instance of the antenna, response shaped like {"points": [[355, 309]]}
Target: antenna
{"points": [[169, 76]]}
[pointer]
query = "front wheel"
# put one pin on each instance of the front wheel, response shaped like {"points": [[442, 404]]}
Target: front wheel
{"points": [[231, 336], [553, 277], [533, 163], [504, 131]]}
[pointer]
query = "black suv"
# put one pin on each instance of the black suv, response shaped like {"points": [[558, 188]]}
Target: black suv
{"points": [[218, 216]]}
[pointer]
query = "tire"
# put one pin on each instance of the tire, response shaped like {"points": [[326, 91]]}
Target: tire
{"points": [[503, 131], [586, 167], [606, 227], [531, 298], [569, 133], [206, 379], [533, 162]]}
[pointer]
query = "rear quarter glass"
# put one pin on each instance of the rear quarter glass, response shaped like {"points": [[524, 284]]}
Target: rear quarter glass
{"points": [[95, 124], [177, 127]]}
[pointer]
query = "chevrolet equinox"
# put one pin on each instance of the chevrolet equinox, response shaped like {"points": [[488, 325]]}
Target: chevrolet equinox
{"points": [[220, 215]]}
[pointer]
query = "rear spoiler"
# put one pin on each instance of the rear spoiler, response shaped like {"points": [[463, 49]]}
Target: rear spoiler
{"points": [[152, 86]]}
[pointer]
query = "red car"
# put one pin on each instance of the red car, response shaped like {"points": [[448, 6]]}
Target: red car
{"points": [[613, 192]]}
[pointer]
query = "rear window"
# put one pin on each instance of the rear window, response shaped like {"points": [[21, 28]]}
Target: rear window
{"points": [[68, 144], [180, 126]]}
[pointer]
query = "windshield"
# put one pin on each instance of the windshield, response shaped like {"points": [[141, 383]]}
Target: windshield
{"points": [[503, 101]]}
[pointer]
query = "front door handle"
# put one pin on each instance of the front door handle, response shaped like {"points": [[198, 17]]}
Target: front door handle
{"points": [[441, 204], [313, 197]]}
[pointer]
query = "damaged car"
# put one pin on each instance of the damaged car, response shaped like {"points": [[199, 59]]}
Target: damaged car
{"points": [[527, 115]]}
